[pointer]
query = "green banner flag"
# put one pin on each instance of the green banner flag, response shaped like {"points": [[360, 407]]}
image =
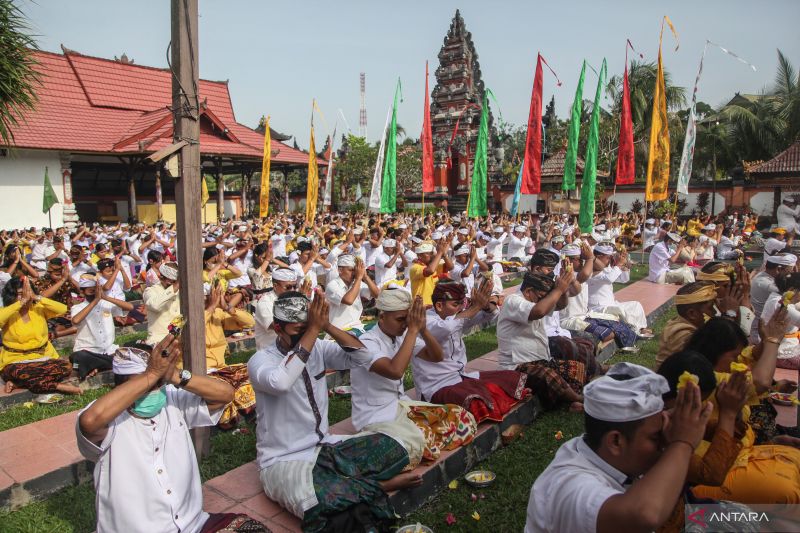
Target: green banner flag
{"points": [[389, 182], [50, 198], [476, 205], [586, 217], [571, 157]]}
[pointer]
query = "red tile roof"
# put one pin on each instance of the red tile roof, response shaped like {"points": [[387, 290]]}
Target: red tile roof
{"points": [[553, 166], [90, 104], [784, 164]]}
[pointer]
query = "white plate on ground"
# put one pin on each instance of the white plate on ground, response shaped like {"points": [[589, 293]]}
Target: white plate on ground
{"points": [[646, 335], [48, 398], [629, 349], [343, 390]]}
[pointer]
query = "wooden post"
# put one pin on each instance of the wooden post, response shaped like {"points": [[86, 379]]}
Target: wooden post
{"points": [[185, 61], [131, 198]]}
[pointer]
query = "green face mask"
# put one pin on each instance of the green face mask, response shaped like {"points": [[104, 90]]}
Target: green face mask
{"points": [[151, 404]]}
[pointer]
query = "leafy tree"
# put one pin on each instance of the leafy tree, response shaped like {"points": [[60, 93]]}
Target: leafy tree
{"points": [[356, 166], [18, 76]]}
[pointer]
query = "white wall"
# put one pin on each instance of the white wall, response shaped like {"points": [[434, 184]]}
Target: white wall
{"points": [[22, 188], [762, 202], [527, 203]]}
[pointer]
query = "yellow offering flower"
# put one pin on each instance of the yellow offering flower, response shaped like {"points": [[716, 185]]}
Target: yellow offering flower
{"points": [[453, 484], [739, 367], [787, 298], [746, 357], [475, 515], [685, 378]]}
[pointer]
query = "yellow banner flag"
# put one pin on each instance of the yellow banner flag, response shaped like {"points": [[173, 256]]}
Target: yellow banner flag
{"points": [[203, 191], [658, 160], [263, 203], [313, 181]]}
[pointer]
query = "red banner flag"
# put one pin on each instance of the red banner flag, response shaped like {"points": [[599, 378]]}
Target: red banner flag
{"points": [[427, 141], [532, 164], [626, 164]]}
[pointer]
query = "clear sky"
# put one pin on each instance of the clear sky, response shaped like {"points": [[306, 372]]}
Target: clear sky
{"points": [[280, 55]]}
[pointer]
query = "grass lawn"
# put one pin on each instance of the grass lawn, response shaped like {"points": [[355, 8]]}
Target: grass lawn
{"points": [[19, 415]]}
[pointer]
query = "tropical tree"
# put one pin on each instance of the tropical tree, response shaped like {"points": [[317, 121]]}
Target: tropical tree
{"points": [[786, 97], [18, 76], [355, 167]]}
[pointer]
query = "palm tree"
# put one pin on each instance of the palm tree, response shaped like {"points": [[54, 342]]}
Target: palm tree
{"points": [[786, 97], [756, 132], [18, 75]]}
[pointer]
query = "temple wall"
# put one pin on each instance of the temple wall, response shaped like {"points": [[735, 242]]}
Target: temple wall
{"points": [[22, 188]]}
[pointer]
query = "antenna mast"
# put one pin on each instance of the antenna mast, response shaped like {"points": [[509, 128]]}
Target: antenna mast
{"points": [[362, 115]]}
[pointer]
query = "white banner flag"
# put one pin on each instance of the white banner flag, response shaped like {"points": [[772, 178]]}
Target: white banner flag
{"points": [[375, 195], [329, 176]]}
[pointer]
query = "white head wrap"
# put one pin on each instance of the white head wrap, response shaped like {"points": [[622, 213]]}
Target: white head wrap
{"points": [[128, 361], [436, 235], [292, 309], [168, 272], [498, 229], [323, 251], [415, 239], [520, 229], [557, 239], [463, 231], [571, 250], [346, 260], [674, 236], [389, 243], [393, 300], [358, 230], [626, 400], [709, 227], [600, 227], [783, 259], [424, 248], [87, 280], [604, 248], [773, 246], [403, 226], [650, 221], [463, 250], [284, 274], [703, 238]]}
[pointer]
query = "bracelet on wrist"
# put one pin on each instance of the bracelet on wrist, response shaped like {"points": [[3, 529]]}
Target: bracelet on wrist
{"points": [[689, 444]]}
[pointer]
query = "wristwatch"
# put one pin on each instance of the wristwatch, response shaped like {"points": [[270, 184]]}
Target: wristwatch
{"points": [[185, 376]]}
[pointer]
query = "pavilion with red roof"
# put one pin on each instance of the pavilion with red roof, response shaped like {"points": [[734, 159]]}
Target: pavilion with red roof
{"points": [[95, 123]]}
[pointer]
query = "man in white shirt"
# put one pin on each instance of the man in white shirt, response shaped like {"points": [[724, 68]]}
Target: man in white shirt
{"points": [[763, 284], [494, 248], [650, 234], [293, 445], [43, 250], [162, 302], [788, 214], [379, 402], [283, 280], [94, 343], [627, 471], [662, 256], [138, 436], [387, 260], [608, 270], [518, 244], [465, 265], [345, 293], [523, 344]]}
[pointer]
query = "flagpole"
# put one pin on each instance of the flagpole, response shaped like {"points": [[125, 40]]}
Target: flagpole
{"points": [[423, 202], [50, 217]]}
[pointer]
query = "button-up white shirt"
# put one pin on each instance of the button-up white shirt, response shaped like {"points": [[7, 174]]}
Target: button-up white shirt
{"points": [[519, 340], [601, 286], [146, 476], [345, 316], [429, 377], [568, 495], [286, 429], [382, 272], [96, 331], [374, 396]]}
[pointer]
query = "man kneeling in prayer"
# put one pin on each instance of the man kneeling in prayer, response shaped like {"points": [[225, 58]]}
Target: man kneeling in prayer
{"points": [[146, 476], [488, 395], [379, 400], [327, 480], [627, 471]]}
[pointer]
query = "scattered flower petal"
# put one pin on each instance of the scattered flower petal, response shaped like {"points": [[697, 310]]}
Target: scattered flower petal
{"points": [[473, 497], [28, 405], [475, 515], [559, 435], [453, 484], [450, 519]]}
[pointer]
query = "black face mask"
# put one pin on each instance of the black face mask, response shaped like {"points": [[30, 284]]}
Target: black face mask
{"points": [[295, 339]]}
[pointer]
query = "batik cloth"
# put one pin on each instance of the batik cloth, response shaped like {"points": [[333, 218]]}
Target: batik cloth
{"points": [[577, 349], [39, 377], [349, 473], [444, 427], [551, 380], [244, 398], [233, 523], [489, 397], [623, 334]]}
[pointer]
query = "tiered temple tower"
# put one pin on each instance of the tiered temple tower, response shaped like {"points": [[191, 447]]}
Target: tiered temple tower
{"points": [[457, 98]]}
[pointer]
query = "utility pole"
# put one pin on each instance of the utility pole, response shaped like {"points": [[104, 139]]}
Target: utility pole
{"points": [[186, 112]]}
